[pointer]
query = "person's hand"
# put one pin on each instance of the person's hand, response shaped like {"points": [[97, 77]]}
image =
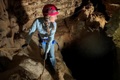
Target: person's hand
{"points": [[24, 45]]}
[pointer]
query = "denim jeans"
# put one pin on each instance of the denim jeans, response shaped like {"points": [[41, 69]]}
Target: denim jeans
{"points": [[52, 55]]}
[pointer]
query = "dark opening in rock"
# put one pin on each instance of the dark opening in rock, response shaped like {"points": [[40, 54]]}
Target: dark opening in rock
{"points": [[4, 62], [93, 57]]}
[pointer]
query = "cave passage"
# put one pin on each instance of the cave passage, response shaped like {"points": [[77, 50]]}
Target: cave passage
{"points": [[93, 57]]}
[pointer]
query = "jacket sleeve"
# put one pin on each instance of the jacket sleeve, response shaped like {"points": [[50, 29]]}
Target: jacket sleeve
{"points": [[32, 30], [51, 37]]}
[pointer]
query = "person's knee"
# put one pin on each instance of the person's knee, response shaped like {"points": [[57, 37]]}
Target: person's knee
{"points": [[53, 60], [52, 56]]}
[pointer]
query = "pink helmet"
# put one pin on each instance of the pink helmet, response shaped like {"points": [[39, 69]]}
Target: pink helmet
{"points": [[50, 9]]}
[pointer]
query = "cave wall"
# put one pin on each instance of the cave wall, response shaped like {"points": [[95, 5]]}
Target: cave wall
{"points": [[16, 16], [26, 10]]}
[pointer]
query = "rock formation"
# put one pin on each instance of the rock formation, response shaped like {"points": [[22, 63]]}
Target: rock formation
{"points": [[76, 20]]}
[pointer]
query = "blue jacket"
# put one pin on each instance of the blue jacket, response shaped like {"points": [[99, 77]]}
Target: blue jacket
{"points": [[39, 25]]}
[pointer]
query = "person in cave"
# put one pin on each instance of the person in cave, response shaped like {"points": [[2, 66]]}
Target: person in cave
{"points": [[46, 27]]}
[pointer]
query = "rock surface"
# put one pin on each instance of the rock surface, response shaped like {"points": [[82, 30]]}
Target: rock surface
{"points": [[76, 17]]}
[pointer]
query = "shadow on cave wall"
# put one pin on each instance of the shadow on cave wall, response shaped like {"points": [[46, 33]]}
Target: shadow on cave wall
{"points": [[92, 57], [15, 8]]}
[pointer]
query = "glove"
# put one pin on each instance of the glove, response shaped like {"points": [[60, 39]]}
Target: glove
{"points": [[24, 45]]}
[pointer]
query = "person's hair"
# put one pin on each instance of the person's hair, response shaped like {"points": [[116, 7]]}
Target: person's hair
{"points": [[47, 24]]}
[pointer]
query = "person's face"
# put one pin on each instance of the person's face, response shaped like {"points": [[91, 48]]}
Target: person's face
{"points": [[53, 18]]}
